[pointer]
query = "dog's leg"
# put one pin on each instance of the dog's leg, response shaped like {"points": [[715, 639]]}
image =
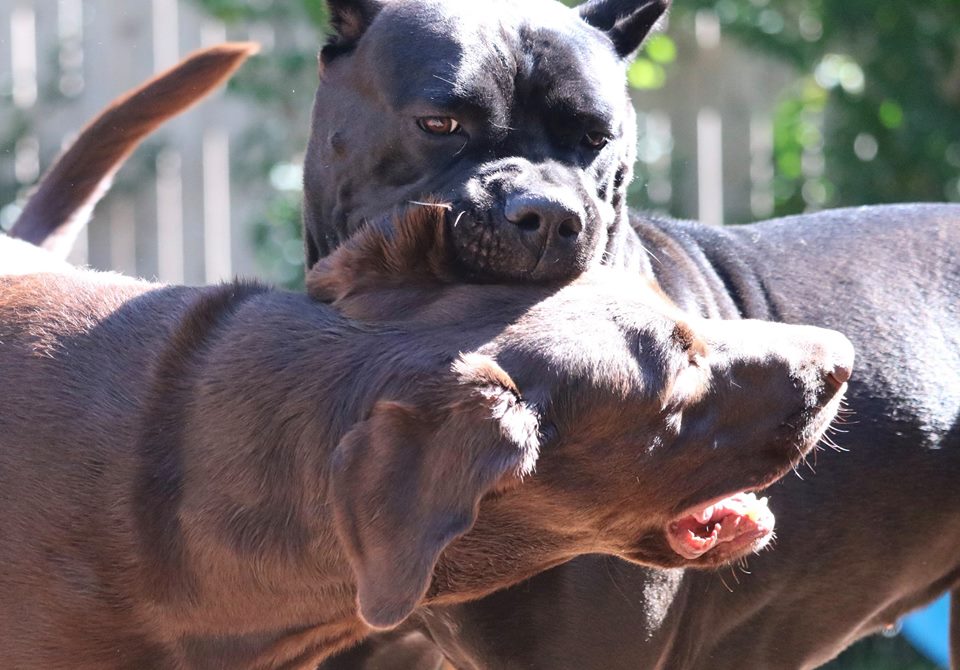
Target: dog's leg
{"points": [[61, 205]]}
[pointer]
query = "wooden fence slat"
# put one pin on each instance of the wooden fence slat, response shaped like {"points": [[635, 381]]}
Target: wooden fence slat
{"points": [[170, 251], [23, 55], [710, 166], [216, 205]]}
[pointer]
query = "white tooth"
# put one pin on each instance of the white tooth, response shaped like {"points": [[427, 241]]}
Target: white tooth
{"points": [[763, 501]]}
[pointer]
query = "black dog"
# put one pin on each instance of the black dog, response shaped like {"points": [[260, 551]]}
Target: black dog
{"points": [[517, 113]]}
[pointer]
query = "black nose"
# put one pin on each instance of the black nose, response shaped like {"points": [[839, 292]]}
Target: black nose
{"points": [[550, 218]]}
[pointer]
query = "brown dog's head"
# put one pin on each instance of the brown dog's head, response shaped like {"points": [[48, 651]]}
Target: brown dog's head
{"points": [[592, 417]]}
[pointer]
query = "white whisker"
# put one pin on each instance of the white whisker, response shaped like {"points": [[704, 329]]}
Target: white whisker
{"points": [[447, 207]]}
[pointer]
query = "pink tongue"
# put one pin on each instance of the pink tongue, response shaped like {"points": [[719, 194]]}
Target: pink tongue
{"points": [[739, 519]]}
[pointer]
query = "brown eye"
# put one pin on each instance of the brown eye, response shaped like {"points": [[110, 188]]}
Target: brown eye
{"points": [[438, 125], [595, 140]]}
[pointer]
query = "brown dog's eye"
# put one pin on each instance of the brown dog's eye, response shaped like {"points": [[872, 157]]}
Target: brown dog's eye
{"points": [[438, 125], [595, 140]]}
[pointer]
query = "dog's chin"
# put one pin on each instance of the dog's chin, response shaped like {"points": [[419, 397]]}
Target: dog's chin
{"points": [[487, 252]]}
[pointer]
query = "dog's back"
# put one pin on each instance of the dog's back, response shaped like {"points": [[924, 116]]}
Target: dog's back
{"points": [[62, 394]]}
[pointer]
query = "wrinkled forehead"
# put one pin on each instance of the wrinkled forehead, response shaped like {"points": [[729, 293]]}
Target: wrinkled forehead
{"points": [[454, 51]]}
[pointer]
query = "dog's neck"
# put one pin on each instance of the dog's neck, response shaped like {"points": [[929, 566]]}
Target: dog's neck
{"points": [[263, 538], [264, 526]]}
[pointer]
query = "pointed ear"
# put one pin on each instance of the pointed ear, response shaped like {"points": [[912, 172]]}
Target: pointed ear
{"points": [[408, 481], [349, 20], [626, 22], [408, 250]]}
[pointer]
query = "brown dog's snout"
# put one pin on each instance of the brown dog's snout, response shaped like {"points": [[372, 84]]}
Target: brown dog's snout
{"points": [[552, 220], [819, 360]]}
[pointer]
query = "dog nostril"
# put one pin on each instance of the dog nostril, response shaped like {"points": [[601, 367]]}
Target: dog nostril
{"points": [[529, 223], [840, 374], [570, 228]]}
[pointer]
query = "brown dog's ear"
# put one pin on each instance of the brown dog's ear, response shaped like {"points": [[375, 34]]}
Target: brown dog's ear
{"points": [[408, 480], [349, 20], [408, 250], [626, 22]]}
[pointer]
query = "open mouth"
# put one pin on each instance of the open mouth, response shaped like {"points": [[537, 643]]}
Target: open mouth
{"points": [[727, 527], [732, 526]]}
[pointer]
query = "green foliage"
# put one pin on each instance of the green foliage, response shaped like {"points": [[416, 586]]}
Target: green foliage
{"points": [[280, 83], [889, 99], [798, 135], [649, 68], [277, 238]]}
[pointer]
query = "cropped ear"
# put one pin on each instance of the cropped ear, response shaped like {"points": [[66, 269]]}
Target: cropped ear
{"points": [[408, 481], [349, 20], [408, 249], [626, 22]]}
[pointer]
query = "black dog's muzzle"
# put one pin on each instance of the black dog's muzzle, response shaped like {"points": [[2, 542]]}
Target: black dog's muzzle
{"points": [[520, 220]]}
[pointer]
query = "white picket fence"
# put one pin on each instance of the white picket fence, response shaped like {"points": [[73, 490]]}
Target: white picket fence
{"points": [[705, 138]]}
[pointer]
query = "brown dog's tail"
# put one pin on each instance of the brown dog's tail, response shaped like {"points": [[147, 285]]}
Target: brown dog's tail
{"points": [[61, 205]]}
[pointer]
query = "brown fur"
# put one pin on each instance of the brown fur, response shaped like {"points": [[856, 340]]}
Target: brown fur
{"points": [[238, 477]]}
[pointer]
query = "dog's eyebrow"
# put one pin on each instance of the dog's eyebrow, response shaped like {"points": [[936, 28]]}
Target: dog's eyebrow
{"points": [[453, 101], [587, 113], [597, 119]]}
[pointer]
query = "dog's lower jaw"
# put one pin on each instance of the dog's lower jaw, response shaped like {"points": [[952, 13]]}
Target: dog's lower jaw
{"points": [[723, 530], [656, 550]]}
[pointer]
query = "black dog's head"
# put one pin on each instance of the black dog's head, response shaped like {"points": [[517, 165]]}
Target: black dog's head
{"points": [[515, 112]]}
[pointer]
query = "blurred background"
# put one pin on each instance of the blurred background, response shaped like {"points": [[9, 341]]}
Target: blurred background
{"points": [[748, 109]]}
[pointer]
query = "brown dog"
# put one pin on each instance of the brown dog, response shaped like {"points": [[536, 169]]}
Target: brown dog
{"points": [[237, 477], [245, 478]]}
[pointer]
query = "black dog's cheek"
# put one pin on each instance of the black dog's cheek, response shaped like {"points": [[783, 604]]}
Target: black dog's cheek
{"points": [[393, 170]]}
